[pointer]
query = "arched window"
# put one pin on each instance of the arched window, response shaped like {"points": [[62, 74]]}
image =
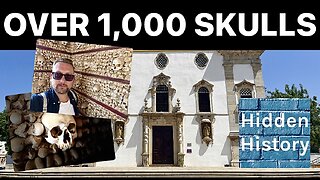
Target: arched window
{"points": [[244, 89], [245, 93], [204, 99], [162, 98]]}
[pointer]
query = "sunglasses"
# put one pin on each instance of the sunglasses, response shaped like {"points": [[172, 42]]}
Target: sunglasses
{"points": [[58, 76]]}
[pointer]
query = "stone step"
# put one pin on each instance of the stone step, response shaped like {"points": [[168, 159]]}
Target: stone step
{"points": [[160, 172]]}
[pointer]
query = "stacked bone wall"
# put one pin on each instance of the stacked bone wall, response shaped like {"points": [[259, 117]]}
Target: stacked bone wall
{"points": [[102, 75], [30, 150]]}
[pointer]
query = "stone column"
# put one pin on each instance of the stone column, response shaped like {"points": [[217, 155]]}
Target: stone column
{"points": [[231, 57], [145, 153], [153, 100], [234, 138], [231, 98], [180, 142], [257, 72]]}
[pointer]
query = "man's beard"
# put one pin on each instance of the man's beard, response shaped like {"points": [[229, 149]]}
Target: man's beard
{"points": [[62, 89]]}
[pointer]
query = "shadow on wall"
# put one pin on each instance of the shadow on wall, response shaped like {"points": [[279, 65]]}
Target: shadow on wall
{"points": [[226, 150], [214, 70], [203, 146], [136, 136]]}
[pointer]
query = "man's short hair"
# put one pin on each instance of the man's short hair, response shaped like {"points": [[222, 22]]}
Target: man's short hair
{"points": [[64, 60]]}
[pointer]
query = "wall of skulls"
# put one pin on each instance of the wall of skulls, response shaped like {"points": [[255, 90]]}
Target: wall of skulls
{"points": [[30, 150], [102, 75]]}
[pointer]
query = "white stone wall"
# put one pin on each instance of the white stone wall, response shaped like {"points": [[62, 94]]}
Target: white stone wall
{"points": [[216, 154], [241, 72], [184, 74], [128, 154]]}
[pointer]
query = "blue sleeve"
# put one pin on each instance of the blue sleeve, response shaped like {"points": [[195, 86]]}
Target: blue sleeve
{"points": [[36, 103]]}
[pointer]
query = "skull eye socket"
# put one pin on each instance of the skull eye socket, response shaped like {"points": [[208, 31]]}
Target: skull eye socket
{"points": [[56, 131], [72, 127]]}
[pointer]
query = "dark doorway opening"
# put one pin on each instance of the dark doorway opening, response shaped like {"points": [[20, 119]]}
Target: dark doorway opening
{"points": [[162, 143]]}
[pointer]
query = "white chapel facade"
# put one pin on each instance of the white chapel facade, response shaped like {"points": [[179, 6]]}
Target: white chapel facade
{"points": [[182, 108]]}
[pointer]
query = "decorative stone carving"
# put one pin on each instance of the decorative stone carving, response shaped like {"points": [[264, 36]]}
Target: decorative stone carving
{"points": [[180, 142], [244, 84], [177, 107], [161, 79], [206, 129], [145, 160], [145, 148], [161, 61], [244, 87], [119, 131], [174, 119], [241, 53], [181, 159], [146, 108]]}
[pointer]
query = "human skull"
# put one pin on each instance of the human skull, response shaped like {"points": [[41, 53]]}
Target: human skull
{"points": [[117, 64], [78, 83], [60, 129]]}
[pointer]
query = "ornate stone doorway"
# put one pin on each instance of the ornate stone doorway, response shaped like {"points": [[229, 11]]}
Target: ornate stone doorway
{"points": [[155, 125], [162, 123], [162, 145]]}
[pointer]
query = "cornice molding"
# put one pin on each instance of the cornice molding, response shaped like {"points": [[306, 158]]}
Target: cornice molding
{"points": [[241, 53]]}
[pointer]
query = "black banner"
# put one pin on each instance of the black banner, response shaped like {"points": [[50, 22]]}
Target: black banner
{"points": [[250, 26]]}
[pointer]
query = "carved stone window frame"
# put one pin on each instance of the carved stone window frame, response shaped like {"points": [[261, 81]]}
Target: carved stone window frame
{"points": [[244, 84], [209, 86], [152, 118], [205, 119], [197, 63], [158, 63], [161, 79]]}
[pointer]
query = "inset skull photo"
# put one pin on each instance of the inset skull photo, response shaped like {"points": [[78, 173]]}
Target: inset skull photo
{"points": [[40, 140], [61, 130], [76, 78]]}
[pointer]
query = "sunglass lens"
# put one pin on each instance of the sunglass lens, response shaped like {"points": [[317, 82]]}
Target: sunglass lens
{"points": [[57, 75], [69, 77]]}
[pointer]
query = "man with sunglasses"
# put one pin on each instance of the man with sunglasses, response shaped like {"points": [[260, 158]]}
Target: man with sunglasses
{"points": [[59, 98]]}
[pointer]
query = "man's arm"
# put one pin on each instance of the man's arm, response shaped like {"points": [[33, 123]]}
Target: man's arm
{"points": [[36, 103]]}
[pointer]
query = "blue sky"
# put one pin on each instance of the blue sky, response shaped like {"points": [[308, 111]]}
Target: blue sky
{"points": [[279, 67], [282, 67]]}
